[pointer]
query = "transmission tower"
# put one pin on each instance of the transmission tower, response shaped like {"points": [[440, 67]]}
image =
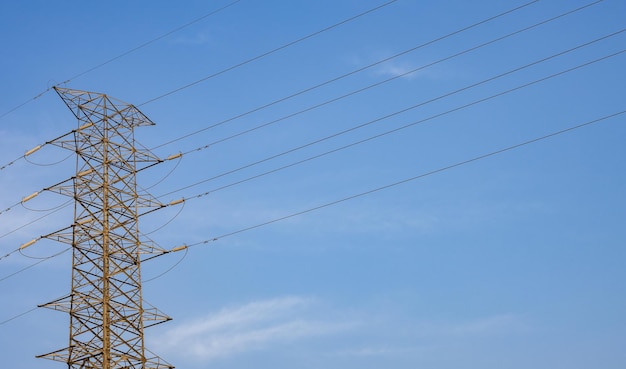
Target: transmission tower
{"points": [[106, 308]]}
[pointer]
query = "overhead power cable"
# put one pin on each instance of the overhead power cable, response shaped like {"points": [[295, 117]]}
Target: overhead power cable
{"points": [[213, 75], [37, 148], [19, 315], [405, 110], [405, 74], [377, 120], [407, 180], [179, 28], [472, 104], [374, 190], [46, 258], [386, 132], [8, 254], [51, 142], [268, 52], [52, 234], [11, 162], [48, 164], [380, 134], [335, 79], [59, 184], [170, 268], [141, 46], [379, 188], [56, 209], [357, 71], [35, 264], [391, 115], [35, 220]]}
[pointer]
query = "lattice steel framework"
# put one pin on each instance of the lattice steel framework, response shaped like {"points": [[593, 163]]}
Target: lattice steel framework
{"points": [[106, 308]]}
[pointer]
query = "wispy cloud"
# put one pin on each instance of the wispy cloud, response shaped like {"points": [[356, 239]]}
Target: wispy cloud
{"points": [[397, 69], [268, 325], [253, 326]]}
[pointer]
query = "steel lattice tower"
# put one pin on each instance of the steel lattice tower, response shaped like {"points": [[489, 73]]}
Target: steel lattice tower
{"points": [[106, 308]]}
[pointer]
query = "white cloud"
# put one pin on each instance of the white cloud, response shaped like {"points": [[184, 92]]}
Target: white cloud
{"points": [[392, 69], [221, 345], [395, 67], [253, 326], [268, 325]]}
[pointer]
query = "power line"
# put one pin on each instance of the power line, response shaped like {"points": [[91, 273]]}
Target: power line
{"points": [[57, 185], [68, 249], [8, 254], [386, 117], [35, 149], [268, 52], [11, 162], [208, 77], [436, 171], [34, 264], [27, 198], [387, 132], [141, 46], [155, 39], [535, 81], [34, 221], [49, 235], [405, 74], [335, 79], [357, 71], [18, 315], [47, 164], [336, 202], [374, 190], [42, 259], [170, 268], [380, 119], [407, 109]]}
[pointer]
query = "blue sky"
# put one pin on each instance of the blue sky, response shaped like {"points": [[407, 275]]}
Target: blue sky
{"points": [[508, 262]]}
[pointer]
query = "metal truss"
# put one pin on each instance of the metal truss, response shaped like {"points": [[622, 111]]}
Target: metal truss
{"points": [[105, 305]]}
